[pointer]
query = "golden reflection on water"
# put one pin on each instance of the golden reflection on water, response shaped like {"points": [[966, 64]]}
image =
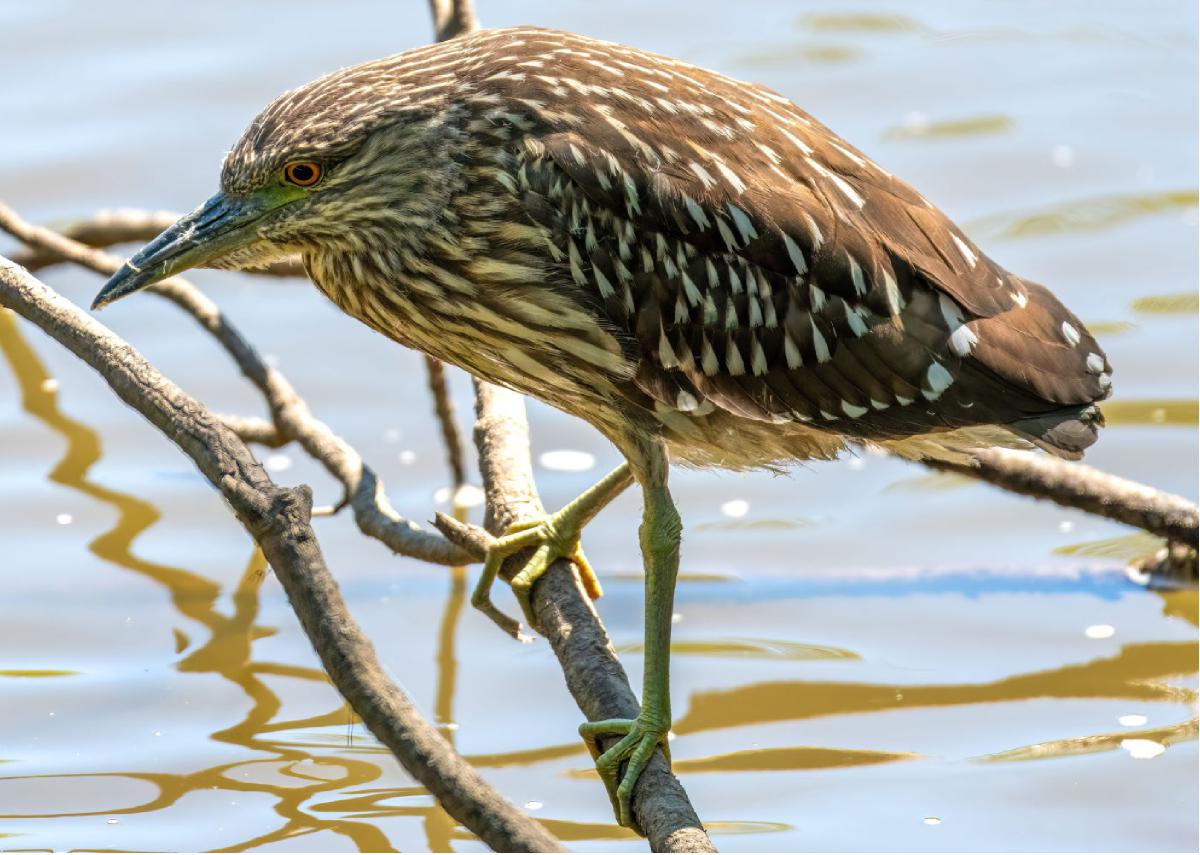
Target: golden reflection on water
{"points": [[296, 778], [1185, 731], [1138, 672], [298, 774], [1093, 214], [1152, 411], [750, 648], [996, 123]]}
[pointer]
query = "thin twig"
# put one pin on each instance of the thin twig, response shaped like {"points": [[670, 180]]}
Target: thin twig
{"points": [[443, 408], [278, 520], [290, 414], [108, 228]]}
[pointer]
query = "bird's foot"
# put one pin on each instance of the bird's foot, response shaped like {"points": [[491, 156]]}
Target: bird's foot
{"points": [[639, 738], [555, 536]]}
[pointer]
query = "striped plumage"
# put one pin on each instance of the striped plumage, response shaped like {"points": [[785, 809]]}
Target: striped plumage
{"points": [[692, 264], [645, 243]]}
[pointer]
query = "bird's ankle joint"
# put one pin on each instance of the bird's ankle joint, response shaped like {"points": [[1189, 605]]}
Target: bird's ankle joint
{"points": [[652, 723]]}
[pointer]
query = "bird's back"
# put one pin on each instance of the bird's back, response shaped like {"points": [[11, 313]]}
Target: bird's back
{"points": [[756, 288]]}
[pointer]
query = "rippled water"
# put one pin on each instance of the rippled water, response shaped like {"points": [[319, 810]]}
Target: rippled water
{"points": [[868, 656]]}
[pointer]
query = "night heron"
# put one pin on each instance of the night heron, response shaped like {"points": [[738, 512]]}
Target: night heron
{"points": [[692, 264]]}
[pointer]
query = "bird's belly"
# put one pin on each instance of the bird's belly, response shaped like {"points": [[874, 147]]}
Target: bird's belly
{"points": [[729, 441]]}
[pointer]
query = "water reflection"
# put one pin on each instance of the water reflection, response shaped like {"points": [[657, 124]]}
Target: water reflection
{"points": [[1093, 214], [1161, 737], [1138, 672], [227, 652], [312, 792]]}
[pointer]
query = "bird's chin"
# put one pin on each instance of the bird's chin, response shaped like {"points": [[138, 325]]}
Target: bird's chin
{"points": [[258, 255]]}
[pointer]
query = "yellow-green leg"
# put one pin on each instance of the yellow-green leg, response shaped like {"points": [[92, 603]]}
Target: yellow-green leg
{"points": [[555, 536], [659, 536]]}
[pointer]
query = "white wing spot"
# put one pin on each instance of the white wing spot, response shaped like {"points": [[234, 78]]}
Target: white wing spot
{"points": [[685, 401], [850, 155], [1070, 334], [666, 353], [696, 212], [820, 346], [791, 353], [708, 358], [726, 235], [854, 318], [892, 291], [962, 338], [839, 182], [816, 297], [852, 411], [1095, 363], [794, 253], [818, 238], [856, 275], [966, 251], [803, 146], [758, 359], [939, 380], [742, 221], [702, 174], [733, 359], [736, 183]]}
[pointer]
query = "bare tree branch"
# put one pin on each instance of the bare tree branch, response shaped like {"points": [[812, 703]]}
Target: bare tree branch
{"points": [[123, 225], [453, 18], [566, 617], [443, 408], [290, 414], [278, 520], [1086, 488]]}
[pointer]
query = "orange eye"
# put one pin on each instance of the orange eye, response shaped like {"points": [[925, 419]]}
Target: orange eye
{"points": [[303, 173]]}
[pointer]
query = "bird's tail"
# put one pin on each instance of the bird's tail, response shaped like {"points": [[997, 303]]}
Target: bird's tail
{"points": [[1065, 433]]}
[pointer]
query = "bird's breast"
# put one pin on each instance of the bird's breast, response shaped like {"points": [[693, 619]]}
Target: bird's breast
{"points": [[496, 315]]}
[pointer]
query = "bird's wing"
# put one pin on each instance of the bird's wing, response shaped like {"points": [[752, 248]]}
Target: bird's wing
{"points": [[766, 267]]}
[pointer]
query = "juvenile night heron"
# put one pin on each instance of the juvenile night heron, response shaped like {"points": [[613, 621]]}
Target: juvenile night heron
{"points": [[692, 264]]}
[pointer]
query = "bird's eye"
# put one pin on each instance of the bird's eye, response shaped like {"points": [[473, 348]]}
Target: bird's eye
{"points": [[302, 173]]}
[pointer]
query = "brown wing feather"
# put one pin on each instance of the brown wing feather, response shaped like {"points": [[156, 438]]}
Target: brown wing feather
{"points": [[760, 264]]}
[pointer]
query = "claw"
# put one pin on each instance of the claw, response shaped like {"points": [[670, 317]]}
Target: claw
{"points": [[552, 544], [639, 738]]}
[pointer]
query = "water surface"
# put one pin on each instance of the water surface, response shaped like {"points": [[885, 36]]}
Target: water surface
{"points": [[869, 656]]}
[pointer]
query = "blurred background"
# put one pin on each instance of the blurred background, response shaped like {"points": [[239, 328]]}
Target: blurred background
{"points": [[868, 656]]}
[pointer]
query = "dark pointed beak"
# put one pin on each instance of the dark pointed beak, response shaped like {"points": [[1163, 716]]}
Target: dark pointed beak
{"points": [[219, 226]]}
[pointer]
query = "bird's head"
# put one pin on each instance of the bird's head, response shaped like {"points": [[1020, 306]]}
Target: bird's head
{"points": [[325, 167]]}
